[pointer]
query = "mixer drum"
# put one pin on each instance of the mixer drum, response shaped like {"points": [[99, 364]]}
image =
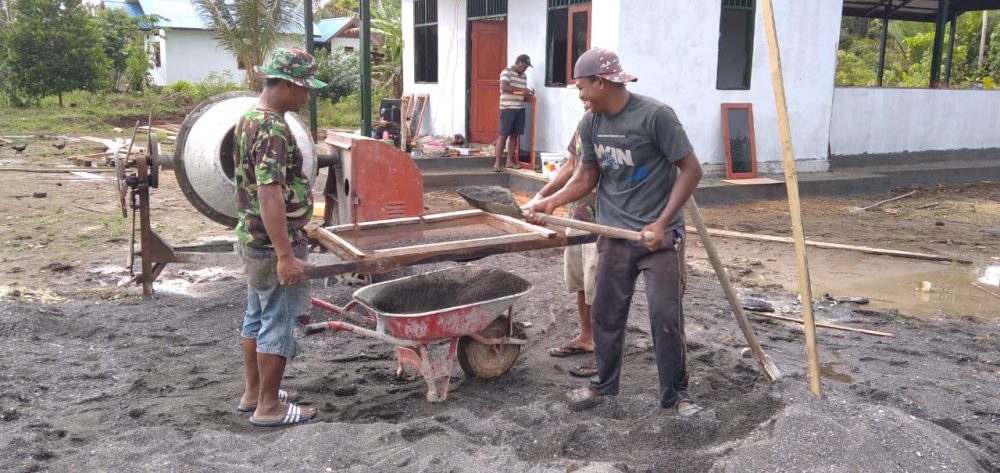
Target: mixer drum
{"points": [[203, 154]]}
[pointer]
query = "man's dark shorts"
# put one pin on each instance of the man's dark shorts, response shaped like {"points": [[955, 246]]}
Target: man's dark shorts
{"points": [[511, 121]]}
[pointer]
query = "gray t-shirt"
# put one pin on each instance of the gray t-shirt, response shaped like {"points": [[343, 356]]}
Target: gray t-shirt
{"points": [[636, 150]]}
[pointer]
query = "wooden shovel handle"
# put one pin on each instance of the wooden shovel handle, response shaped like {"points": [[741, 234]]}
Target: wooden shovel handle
{"points": [[595, 228]]}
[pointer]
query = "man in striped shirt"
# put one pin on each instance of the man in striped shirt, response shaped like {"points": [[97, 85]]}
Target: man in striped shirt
{"points": [[513, 92]]}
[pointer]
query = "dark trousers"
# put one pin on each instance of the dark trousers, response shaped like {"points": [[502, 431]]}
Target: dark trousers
{"points": [[619, 264]]}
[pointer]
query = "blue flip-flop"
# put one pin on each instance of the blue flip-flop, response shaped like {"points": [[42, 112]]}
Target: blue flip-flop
{"points": [[293, 415], [283, 396]]}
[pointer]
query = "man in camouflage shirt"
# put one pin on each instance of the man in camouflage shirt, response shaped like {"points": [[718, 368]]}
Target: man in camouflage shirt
{"points": [[274, 204]]}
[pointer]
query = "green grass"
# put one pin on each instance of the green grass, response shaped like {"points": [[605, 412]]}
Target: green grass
{"points": [[89, 113], [98, 114]]}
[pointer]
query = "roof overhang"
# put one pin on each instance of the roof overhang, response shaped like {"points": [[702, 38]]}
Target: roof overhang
{"points": [[914, 10]]}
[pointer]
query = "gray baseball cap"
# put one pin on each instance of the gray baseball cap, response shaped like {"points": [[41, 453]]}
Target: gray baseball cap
{"points": [[602, 63]]}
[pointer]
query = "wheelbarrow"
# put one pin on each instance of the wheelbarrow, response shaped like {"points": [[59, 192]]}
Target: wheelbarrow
{"points": [[463, 305]]}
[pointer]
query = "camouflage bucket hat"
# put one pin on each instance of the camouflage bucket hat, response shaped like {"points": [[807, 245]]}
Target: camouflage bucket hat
{"points": [[295, 66]]}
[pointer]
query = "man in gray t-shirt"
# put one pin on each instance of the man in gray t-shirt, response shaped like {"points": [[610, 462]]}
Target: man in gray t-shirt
{"points": [[637, 154]]}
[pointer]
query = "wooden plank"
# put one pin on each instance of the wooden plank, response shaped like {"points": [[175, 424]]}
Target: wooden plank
{"points": [[825, 325], [833, 246], [984, 289], [456, 245], [794, 206], [432, 218], [380, 265], [376, 224], [340, 242], [546, 232]]}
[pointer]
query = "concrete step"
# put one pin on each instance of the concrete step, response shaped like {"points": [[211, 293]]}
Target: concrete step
{"points": [[938, 173], [452, 179], [454, 164], [849, 163], [714, 191]]}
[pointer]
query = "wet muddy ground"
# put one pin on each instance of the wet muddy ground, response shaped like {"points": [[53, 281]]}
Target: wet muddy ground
{"points": [[96, 378]]}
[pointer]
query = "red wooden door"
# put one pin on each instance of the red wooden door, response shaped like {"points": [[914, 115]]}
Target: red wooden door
{"points": [[488, 59]]}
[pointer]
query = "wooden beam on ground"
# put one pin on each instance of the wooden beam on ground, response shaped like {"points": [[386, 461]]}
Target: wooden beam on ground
{"points": [[825, 325], [886, 201], [833, 246], [794, 207]]}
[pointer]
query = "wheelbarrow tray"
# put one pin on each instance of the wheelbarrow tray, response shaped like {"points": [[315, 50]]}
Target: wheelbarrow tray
{"points": [[452, 302]]}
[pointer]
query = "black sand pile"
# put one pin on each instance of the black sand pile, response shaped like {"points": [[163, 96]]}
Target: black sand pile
{"points": [[441, 290], [494, 194], [153, 384]]}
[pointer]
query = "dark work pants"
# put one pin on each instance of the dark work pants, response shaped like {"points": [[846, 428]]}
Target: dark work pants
{"points": [[619, 264]]}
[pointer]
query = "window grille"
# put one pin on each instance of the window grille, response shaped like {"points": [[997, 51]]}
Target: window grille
{"points": [[480, 9]]}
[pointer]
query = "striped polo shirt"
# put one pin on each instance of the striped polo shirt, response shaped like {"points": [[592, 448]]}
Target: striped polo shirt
{"points": [[516, 80]]}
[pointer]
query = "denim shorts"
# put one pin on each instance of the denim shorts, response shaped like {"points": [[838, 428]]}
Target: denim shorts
{"points": [[272, 309]]}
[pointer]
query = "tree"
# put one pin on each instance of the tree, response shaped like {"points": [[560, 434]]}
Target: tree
{"points": [[336, 9], [908, 52], [124, 46], [386, 24], [54, 48], [341, 70], [250, 29]]}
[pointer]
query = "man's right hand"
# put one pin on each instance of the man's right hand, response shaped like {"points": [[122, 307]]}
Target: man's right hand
{"points": [[545, 206], [291, 270]]}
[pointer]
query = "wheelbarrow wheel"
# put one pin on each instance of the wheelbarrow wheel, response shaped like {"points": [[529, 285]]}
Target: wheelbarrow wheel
{"points": [[488, 361]]}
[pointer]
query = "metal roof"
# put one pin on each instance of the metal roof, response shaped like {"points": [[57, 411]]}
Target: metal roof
{"points": [[132, 8], [175, 13], [914, 10], [328, 28], [182, 14]]}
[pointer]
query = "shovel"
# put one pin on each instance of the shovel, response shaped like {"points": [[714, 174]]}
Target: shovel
{"points": [[497, 200]]}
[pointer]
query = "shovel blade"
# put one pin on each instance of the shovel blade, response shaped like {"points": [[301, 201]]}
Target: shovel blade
{"points": [[492, 207]]}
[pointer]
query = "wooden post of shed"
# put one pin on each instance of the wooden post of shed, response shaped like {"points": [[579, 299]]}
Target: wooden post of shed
{"points": [[794, 206]]}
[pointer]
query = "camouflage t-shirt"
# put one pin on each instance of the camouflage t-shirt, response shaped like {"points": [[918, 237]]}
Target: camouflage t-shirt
{"points": [[266, 153], [583, 209]]}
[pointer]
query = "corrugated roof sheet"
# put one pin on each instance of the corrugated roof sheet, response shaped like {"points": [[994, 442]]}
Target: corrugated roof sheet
{"points": [[325, 29], [182, 14], [175, 13], [133, 9], [914, 10]]}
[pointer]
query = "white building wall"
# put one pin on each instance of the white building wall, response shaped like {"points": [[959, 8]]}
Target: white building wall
{"points": [[874, 121], [446, 109], [672, 46], [341, 43], [190, 55]]}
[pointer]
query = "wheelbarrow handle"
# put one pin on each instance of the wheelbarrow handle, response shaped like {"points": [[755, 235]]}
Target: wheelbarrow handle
{"points": [[346, 311], [318, 327]]}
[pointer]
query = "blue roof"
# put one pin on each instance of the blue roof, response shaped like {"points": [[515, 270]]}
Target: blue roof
{"points": [[175, 13], [182, 14], [133, 9], [325, 29]]}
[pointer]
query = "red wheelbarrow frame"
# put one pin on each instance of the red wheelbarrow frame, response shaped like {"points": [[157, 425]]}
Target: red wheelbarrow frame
{"points": [[414, 353]]}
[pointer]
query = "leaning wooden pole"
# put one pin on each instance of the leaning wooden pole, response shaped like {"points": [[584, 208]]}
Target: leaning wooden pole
{"points": [[794, 207], [770, 370]]}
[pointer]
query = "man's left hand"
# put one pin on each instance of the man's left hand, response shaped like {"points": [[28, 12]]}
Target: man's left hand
{"points": [[657, 230]]}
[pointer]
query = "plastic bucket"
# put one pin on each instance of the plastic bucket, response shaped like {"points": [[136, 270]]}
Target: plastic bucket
{"points": [[551, 163]]}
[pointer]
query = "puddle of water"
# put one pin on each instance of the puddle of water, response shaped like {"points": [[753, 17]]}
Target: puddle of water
{"points": [[888, 282], [826, 370]]}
